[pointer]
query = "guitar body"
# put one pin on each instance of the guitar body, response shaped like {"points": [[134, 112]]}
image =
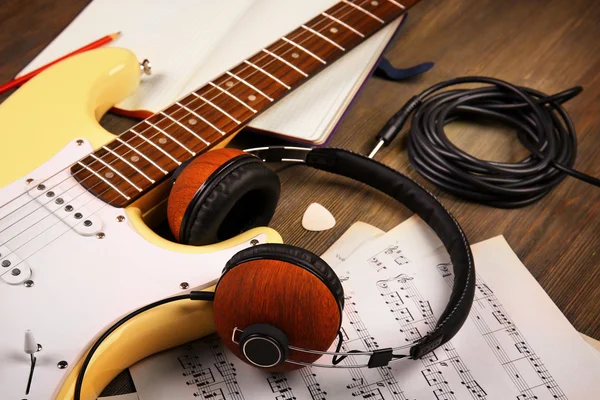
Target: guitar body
{"points": [[67, 277]]}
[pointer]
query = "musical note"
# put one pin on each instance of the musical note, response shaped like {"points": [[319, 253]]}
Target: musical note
{"points": [[484, 289], [373, 394], [392, 298], [202, 377], [475, 388], [313, 386], [432, 377], [426, 310], [401, 260], [501, 317], [444, 394], [370, 342], [279, 385], [402, 313], [522, 348], [527, 396], [377, 264], [356, 382]]}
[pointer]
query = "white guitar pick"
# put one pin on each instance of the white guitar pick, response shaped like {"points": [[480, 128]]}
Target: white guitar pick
{"points": [[317, 218]]}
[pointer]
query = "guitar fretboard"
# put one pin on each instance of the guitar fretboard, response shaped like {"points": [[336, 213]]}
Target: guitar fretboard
{"points": [[145, 155]]}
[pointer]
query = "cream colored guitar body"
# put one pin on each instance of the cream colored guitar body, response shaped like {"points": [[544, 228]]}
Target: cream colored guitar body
{"points": [[67, 281]]}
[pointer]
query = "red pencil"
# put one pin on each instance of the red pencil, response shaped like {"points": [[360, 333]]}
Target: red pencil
{"points": [[22, 79]]}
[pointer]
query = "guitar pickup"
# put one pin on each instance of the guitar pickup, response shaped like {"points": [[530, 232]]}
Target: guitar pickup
{"points": [[67, 202], [13, 270]]}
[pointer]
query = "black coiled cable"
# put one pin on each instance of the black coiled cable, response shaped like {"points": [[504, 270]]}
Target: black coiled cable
{"points": [[544, 128]]}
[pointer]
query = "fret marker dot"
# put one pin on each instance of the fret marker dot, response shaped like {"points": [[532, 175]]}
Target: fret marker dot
{"points": [[252, 97], [229, 84], [333, 30], [374, 3], [295, 55], [162, 140], [192, 121], [135, 158], [109, 174]]}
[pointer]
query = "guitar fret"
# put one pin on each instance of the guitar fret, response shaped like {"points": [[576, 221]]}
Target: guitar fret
{"points": [[305, 50], [182, 125], [216, 107], [115, 171], [359, 8], [343, 24], [169, 136], [233, 97], [323, 37], [142, 155], [202, 119], [249, 85], [285, 62], [139, 171], [104, 180], [397, 4], [157, 147], [269, 75], [145, 155]]}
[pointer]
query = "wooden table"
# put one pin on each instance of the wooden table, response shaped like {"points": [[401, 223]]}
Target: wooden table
{"points": [[549, 45]]}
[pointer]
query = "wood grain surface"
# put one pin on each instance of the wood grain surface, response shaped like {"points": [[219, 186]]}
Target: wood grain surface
{"points": [[549, 45], [283, 295]]}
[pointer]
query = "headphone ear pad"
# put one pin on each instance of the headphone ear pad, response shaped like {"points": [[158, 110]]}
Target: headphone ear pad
{"points": [[220, 194], [283, 286]]}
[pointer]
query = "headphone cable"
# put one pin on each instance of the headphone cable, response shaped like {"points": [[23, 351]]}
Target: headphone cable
{"points": [[543, 127], [194, 295]]}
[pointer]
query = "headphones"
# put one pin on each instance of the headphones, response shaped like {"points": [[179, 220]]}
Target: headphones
{"points": [[276, 306]]}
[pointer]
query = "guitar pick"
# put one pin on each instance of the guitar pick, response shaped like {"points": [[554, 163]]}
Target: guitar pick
{"points": [[317, 218]]}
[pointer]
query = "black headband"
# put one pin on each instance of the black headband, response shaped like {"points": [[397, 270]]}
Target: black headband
{"points": [[417, 199]]}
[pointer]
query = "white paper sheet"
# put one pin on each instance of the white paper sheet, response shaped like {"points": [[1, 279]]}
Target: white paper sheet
{"points": [[515, 345]]}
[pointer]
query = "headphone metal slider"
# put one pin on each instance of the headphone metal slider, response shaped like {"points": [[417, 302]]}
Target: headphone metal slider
{"points": [[280, 153], [235, 335], [380, 358]]}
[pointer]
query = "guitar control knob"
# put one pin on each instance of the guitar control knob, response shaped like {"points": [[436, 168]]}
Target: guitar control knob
{"points": [[146, 67]]}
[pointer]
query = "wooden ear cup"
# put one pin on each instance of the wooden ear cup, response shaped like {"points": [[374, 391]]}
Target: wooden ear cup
{"points": [[220, 194], [277, 295]]}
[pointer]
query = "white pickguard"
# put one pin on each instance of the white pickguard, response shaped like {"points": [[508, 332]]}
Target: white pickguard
{"points": [[80, 283]]}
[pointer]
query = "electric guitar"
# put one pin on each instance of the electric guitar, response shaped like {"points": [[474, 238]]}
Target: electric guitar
{"points": [[76, 203]]}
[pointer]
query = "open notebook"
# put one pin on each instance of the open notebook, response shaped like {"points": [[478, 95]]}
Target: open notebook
{"points": [[189, 42]]}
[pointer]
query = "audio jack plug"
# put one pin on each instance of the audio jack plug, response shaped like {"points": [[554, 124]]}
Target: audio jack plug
{"points": [[395, 124]]}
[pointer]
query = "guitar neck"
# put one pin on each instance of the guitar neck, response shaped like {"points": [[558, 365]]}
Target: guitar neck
{"points": [[145, 155]]}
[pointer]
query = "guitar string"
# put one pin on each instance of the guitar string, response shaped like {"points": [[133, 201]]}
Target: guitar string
{"points": [[103, 167], [109, 188], [295, 37], [141, 132], [329, 23]]}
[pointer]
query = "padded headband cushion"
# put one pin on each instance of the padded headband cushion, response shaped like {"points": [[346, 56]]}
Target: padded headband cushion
{"points": [[294, 255], [424, 204], [240, 195]]}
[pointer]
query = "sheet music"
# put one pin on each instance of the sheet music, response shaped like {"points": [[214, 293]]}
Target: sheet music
{"points": [[515, 345]]}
